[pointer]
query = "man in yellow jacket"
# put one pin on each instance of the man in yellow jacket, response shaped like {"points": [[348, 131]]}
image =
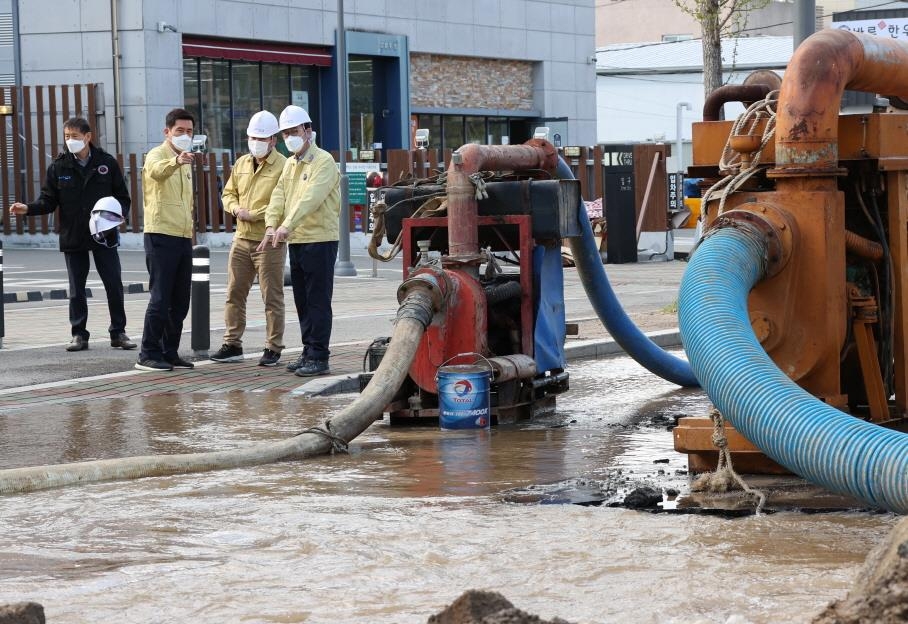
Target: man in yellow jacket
{"points": [[245, 196], [304, 210], [167, 193]]}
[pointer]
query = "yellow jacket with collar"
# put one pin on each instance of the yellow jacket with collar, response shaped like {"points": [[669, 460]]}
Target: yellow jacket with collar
{"points": [[306, 199], [167, 193], [250, 187]]}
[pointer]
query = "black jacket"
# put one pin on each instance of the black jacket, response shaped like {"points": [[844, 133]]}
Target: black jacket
{"points": [[75, 189]]}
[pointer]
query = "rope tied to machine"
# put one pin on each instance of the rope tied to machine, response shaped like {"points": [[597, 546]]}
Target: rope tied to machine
{"points": [[725, 479], [338, 444], [434, 206], [737, 169]]}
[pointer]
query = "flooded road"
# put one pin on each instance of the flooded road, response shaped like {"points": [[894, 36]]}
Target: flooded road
{"points": [[403, 525]]}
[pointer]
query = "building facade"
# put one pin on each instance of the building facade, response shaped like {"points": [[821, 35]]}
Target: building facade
{"points": [[473, 71]]}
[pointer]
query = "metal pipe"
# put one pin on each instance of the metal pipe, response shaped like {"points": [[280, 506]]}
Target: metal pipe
{"points": [[115, 45], [863, 247], [463, 237], [17, 47], [712, 107], [679, 139], [510, 367], [343, 266], [820, 70]]}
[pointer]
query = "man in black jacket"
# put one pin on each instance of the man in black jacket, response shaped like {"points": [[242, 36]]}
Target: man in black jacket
{"points": [[78, 178]]}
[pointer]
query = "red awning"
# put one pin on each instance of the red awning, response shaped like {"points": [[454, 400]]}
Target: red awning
{"points": [[237, 50]]}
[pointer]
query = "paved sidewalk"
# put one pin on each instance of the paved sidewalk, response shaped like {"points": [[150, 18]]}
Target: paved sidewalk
{"points": [[38, 371]]}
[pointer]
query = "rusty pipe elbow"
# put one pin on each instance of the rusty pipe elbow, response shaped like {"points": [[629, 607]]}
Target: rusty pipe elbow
{"points": [[823, 66], [732, 93]]}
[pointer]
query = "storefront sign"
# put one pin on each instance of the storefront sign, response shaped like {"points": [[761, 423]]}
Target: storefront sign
{"points": [[356, 174], [892, 27]]}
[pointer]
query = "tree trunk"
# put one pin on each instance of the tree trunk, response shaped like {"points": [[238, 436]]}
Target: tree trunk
{"points": [[712, 48]]}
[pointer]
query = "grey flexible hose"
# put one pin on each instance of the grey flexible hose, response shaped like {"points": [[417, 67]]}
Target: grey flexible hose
{"points": [[413, 316]]}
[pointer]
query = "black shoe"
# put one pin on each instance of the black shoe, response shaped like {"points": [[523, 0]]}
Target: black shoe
{"points": [[78, 343], [177, 362], [295, 364], [311, 368], [122, 341], [228, 353], [269, 358], [153, 365]]}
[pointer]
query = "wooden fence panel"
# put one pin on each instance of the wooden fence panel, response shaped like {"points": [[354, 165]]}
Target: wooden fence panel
{"points": [[214, 194], [229, 224], [6, 150]]}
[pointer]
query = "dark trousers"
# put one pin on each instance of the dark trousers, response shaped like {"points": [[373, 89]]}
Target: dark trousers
{"points": [[312, 277], [169, 262], [107, 263]]}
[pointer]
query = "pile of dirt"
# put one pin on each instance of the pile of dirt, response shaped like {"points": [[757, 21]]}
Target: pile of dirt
{"points": [[484, 607], [22, 613], [880, 590]]}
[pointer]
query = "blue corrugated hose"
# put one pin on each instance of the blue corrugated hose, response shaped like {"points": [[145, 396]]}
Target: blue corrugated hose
{"points": [[609, 310], [818, 442]]}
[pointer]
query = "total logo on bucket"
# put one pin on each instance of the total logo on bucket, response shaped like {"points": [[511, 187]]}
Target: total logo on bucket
{"points": [[462, 388]]}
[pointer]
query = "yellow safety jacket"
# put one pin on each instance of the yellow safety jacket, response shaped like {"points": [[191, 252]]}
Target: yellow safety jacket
{"points": [[306, 199], [250, 187], [167, 193]]}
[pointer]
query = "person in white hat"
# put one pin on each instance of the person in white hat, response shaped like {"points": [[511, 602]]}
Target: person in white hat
{"points": [[304, 211], [79, 179], [245, 196]]}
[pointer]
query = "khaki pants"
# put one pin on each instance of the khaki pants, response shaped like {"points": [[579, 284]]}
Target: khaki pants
{"points": [[243, 264]]}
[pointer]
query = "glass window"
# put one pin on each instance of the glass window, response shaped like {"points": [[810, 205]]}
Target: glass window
{"points": [[498, 128], [432, 123], [304, 92], [453, 132], [214, 88], [362, 117], [223, 95], [275, 86], [476, 130], [191, 87], [247, 99]]}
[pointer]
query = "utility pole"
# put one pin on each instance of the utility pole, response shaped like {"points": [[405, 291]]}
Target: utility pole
{"points": [[344, 266], [805, 20]]}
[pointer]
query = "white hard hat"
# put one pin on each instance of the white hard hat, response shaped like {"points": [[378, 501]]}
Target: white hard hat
{"points": [[262, 125], [294, 116], [107, 214]]}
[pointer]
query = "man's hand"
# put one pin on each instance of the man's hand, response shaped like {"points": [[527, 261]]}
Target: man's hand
{"points": [[280, 235], [269, 234], [243, 215], [185, 157], [18, 209]]}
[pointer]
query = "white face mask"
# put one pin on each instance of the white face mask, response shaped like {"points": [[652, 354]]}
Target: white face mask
{"points": [[294, 143], [258, 149], [312, 138], [75, 145], [182, 142]]}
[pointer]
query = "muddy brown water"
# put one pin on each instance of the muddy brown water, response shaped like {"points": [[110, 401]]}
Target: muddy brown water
{"points": [[403, 525]]}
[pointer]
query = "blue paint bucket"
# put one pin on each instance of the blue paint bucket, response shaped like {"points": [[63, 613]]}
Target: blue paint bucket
{"points": [[463, 397]]}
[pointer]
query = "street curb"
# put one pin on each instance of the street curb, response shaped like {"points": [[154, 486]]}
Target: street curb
{"points": [[340, 384], [62, 293]]}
